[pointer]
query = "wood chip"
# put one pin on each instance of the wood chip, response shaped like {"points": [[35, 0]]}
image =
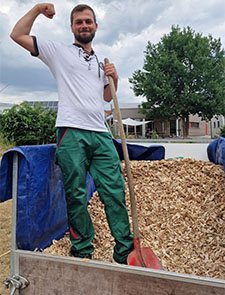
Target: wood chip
{"points": [[181, 213]]}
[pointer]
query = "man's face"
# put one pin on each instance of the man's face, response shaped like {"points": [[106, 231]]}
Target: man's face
{"points": [[84, 26]]}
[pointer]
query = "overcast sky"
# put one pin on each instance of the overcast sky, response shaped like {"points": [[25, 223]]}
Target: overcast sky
{"points": [[124, 28]]}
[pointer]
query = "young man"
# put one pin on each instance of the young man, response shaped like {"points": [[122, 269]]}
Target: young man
{"points": [[83, 142]]}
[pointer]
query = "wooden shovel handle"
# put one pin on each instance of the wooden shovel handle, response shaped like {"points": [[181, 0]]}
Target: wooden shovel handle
{"points": [[126, 158]]}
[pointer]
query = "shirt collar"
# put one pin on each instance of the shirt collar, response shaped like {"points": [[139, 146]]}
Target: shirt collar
{"points": [[80, 46]]}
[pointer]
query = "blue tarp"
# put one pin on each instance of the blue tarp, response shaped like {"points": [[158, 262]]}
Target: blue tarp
{"points": [[41, 206], [41, 213], [216, 151], [139, 152]]}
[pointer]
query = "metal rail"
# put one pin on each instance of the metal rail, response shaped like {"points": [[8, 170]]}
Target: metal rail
{"points": [[170, 140], [15, 281]]}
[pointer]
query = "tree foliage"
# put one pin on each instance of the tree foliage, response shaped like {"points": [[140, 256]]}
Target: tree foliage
{"points": [[222, 131], [26, 125], [183, 74]]}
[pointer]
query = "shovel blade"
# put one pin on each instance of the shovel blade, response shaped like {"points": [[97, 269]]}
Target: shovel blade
{"points": [[149, 259]]}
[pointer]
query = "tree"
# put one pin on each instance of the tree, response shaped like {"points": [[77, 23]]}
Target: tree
{"points": [[183, 74], [26, 124], [222, 131]]}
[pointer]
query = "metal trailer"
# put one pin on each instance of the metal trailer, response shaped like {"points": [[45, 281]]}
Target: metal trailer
{"points": [[34, 273]]}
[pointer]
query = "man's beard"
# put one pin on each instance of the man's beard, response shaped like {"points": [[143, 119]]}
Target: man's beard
{"points": [[84, 39]]}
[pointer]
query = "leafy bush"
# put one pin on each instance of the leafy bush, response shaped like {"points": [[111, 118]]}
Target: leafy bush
{"points": [[26, 124], [154, 135], [4, 146], [222, 131]]}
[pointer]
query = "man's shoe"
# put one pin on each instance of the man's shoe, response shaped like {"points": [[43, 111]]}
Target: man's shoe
{"points": [[80, 255]]}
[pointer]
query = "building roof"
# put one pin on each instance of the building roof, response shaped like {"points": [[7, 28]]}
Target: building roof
{"points": [[4, 106], [45, 103], [133, 105]]}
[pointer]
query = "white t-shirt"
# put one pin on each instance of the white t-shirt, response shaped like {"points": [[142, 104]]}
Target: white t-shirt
{"points": [[80, 82]]}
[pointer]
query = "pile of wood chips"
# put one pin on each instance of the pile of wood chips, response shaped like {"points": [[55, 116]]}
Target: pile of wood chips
{"points": [[181, 212]]}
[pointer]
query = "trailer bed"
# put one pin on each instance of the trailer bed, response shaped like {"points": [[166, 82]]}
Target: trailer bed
{"points": [[48, 275], [57, 275]]}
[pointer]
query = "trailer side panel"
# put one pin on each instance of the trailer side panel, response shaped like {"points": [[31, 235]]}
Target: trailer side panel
{"points": [[73, 276]]}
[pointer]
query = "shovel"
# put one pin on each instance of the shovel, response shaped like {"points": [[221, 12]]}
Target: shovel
{"points": [[143, 257]]}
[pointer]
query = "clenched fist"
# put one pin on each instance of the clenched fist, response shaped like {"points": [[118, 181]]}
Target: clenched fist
{"points": [[47, 9]]}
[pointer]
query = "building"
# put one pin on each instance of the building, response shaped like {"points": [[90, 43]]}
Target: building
{"points": [[164, 128], [216, 124], [129, 110]]}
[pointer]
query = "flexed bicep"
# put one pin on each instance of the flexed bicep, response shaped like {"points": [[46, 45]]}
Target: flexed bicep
{"points": [[21, 31]]}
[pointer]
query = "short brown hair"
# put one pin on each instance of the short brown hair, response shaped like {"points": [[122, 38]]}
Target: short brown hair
{"points": [[79, 8]]}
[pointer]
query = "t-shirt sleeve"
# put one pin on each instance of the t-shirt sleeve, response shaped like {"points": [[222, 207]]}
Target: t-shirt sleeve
{"points": [[44, 49], [36, 53]]}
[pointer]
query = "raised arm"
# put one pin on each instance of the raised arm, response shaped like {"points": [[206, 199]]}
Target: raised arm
{"points": [[21, 31]]}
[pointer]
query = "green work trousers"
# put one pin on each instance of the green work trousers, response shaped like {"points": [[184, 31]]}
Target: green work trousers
{"points": [[80, 151]]}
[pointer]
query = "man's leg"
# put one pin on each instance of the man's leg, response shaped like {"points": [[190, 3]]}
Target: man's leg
{"points": [[107, 174], [72, 159]]}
